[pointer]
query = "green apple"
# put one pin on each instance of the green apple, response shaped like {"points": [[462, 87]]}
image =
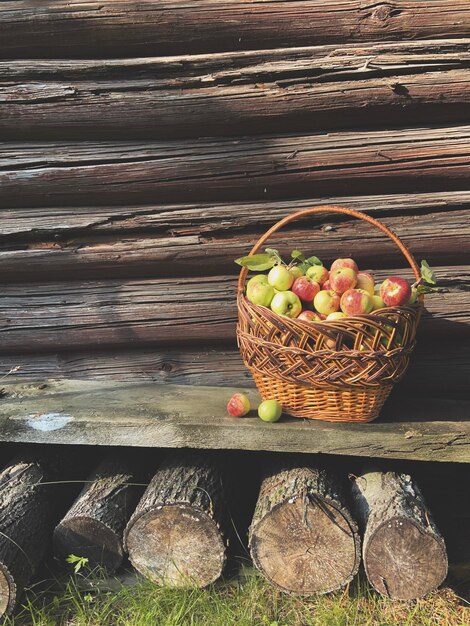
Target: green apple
{"points": [[296, 271], [259, 291], [286, 303], [377, 302], [318, 273], [270, 410], [337, 315], [326, 302], [280, 278]]}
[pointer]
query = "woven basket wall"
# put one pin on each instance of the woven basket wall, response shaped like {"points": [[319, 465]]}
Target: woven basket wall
{"points": [[341, 370]]}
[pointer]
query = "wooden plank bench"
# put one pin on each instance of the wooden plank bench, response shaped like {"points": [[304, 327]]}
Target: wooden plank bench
{"points": [[177, 416]]}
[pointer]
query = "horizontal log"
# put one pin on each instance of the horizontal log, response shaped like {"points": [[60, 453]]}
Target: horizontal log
{"points": [[439, 236], [48, 316], [230, 94], [84, 29], [443, 367], [207, 218], [422, 428], [267, 167]]}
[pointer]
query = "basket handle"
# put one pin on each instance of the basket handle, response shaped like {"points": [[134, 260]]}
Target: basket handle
{"points": [[330, 209]]}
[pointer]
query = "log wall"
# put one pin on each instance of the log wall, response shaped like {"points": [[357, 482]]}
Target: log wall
{"points": [[146, 145]]}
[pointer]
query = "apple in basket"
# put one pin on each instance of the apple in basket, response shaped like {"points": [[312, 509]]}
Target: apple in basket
{"points": [[309, 316], [365, 281], [305, 288], [280, 278], [326, 302], [342, 279], [286, 303], [318, 273], [259, 291], [356, 302], [339, 263], [395, 291]]}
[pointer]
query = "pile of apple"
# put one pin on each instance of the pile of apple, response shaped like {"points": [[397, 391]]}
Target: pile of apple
{"points": [[323, 295]]}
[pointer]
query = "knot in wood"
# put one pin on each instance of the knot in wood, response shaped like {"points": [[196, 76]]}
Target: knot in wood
{"points": [[382, 13]]}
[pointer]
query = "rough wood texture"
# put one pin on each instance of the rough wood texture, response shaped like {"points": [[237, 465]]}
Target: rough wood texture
{"points": [[403, 552], [428, 428], [266, 167], [444, 368], [208, 219], [229, 94], [87, 29], [26, 521], [175, 535], [65, 253], [302, 537], [52, 316], [94, 525]]}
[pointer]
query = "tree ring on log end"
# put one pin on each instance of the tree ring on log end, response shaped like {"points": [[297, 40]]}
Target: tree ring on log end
{"points": [[403, 560], [88, 537], [7, 592], [176, 545], [306, 546]]}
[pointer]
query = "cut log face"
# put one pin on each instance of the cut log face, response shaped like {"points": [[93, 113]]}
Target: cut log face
{"points": [[94, 525], [302, 537], [25, 526], [404, 554], [174, 537]]}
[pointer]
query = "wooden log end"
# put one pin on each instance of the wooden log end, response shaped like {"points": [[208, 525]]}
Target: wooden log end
{"points": [[8, 592], [89, 538], [176, 545], [306, 546], [404, 561]]}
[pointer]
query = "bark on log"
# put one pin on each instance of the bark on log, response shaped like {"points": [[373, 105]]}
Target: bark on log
{"points": [[439, 237], [442, 367], [266, 167], [94, 525], [403, 552], [302, 537], [26, 522], [58, 316], [175, 535], [298, 90], [84, 29]]}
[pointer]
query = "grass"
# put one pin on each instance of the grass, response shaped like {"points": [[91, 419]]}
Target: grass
{"points": [[90, 600]]}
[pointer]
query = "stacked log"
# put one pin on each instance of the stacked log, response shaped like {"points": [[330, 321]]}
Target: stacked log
{"points": [[93, 527], [27, 517], [74, 29], [403, 551], [175, 536], [180, 97], [302, 536]]}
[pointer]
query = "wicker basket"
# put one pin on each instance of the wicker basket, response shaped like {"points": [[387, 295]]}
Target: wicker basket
{"points": [[341, 370]]}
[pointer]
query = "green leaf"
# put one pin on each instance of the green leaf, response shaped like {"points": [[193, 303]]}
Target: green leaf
{"points": [[275, 254], [314, 260], [77, 561], [427, 274], [428, 289], [257, 262], [296, 254]]}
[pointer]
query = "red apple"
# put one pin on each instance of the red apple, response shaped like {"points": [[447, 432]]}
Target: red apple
{"points": [[318, 273], [309, 316], [355, 302], [395, 291], [326, 285], [305, 288], [326, 302], [238, 405], [365, 281], [336, 265], [342, 279]]}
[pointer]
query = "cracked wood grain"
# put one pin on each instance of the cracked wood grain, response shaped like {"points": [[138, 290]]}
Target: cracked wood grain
{"points": [[97, 29], [228, 94]]}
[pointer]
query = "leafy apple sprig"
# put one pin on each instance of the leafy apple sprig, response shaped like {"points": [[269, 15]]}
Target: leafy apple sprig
{"points": [[262, 261], [428, 280], [304, 263]]}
